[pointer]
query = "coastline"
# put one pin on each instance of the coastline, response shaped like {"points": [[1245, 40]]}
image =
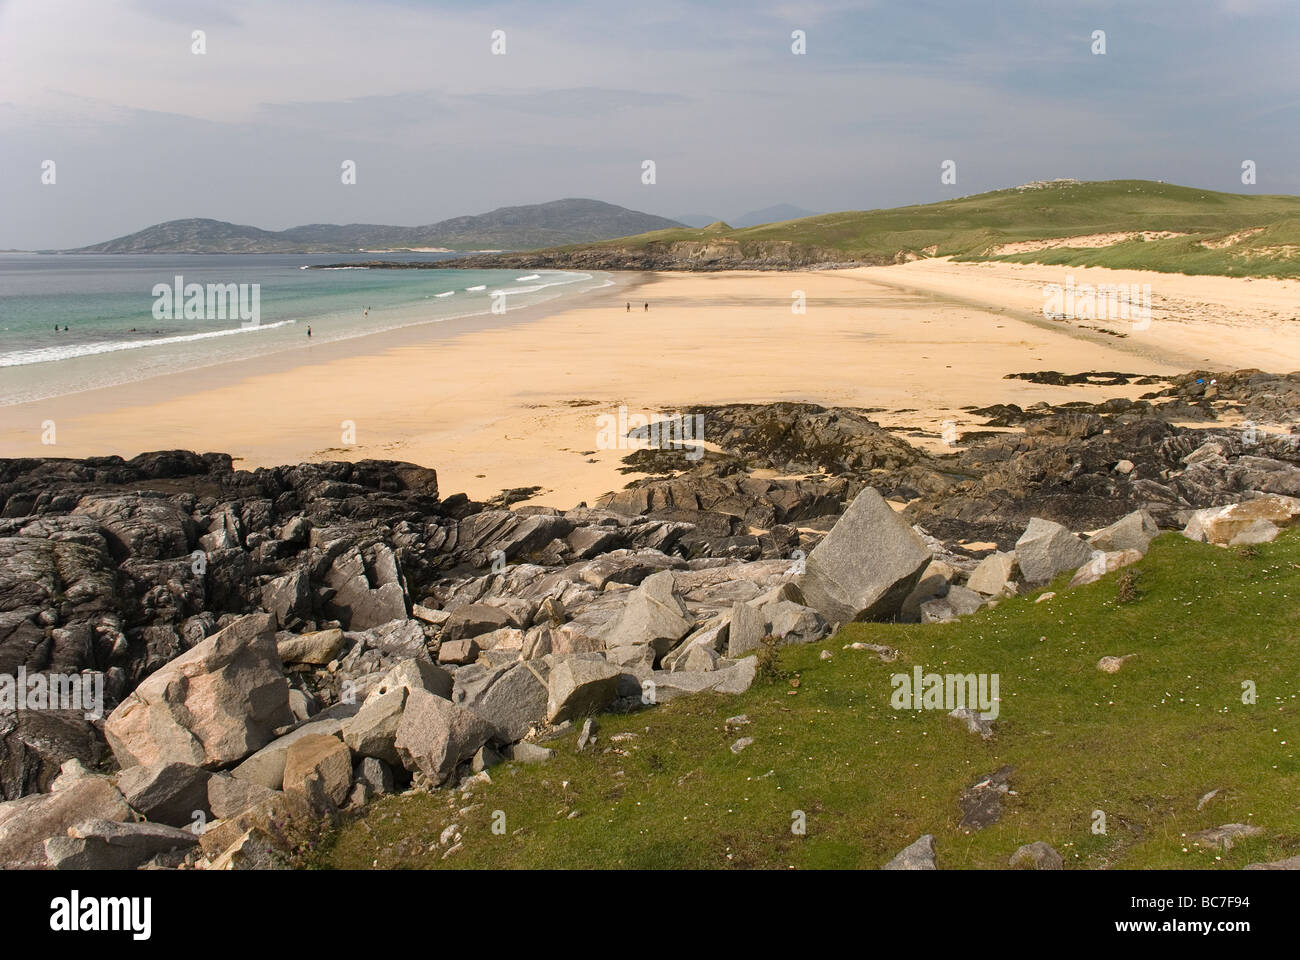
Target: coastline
{"points": [[103, 352], [505, 402]]}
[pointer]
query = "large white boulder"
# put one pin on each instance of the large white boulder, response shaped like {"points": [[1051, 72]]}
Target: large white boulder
{"points": [[1046, 548], [435, 735], [212, 706], [867, 565]]}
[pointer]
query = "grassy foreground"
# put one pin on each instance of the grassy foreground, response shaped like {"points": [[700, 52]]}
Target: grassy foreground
{"points": [[1143, 745]]}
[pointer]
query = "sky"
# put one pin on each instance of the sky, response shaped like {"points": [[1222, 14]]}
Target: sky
{"points": [[255, 130]]}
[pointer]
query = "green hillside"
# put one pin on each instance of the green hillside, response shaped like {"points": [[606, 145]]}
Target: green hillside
{"points": [[1144, 745], [1210, 225]]}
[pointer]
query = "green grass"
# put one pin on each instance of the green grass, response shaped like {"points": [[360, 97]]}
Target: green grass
{"points": [[1141, 745], [970, 227]]}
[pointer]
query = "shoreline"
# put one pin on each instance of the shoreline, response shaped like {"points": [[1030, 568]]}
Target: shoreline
{"points": [[511, 402], [293, 355], [209, 375]]}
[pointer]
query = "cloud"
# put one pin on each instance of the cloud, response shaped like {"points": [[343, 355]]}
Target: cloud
{"points": [[254, 130]]}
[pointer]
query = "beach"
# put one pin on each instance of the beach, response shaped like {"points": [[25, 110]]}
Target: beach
{"points": [[515, 404]]}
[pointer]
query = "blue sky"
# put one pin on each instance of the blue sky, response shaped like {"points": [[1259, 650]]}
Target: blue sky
{"points": [[254, 131]]}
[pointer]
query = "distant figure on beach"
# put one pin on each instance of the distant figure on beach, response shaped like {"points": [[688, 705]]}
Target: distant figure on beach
{"points": [[65, 328], [309, 329], [629, 306], [647, 306]]}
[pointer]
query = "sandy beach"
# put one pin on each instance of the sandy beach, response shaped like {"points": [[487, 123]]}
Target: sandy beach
{"points": [[516, 405]]}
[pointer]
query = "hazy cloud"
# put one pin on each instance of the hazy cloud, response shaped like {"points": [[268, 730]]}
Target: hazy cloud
{"points": [[254, 131]]}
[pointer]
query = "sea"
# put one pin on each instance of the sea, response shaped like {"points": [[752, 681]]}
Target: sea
{"points": [[74, 322]]}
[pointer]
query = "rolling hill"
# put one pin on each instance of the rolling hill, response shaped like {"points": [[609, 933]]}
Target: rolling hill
{"points": [[508, 228], [773, 214], [1114, 223]]}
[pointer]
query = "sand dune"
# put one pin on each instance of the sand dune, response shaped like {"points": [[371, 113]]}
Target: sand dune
{"points": [[1087, 241]]}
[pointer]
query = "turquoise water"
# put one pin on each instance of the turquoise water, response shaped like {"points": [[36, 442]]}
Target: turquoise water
{"points": [[115, 333]]}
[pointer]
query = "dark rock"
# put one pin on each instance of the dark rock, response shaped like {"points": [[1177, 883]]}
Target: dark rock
{"points": [[35, 743], [170, 793], [981, 803]]}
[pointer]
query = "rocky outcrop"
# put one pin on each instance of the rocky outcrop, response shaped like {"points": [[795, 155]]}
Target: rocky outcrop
{"points": [[580, 685], [278, 644], [1133, 531], [26, 823], [867, 565], [35, 744], [434, 735], [1047, 548], [653, 615], [319, 767], [170, 793], [708, 254], [210, 707], [1223, 525], [98, 844], [995, 575]]}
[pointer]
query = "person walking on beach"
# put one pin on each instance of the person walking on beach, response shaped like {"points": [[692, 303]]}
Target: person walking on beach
{"points": [[629, 309], [309, 330], [647, 306]]}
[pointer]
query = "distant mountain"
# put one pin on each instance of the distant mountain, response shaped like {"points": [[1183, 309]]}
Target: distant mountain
{"points": [[775, 214], [557, 223]]}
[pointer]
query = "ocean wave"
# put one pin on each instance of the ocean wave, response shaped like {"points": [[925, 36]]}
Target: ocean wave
{"points": [[21, 358], [563, 280], [470, 308]]}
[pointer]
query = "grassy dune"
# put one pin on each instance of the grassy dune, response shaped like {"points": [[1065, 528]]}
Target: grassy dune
{"points": [[1142, 745], [1272, 251], [972, 227]]}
